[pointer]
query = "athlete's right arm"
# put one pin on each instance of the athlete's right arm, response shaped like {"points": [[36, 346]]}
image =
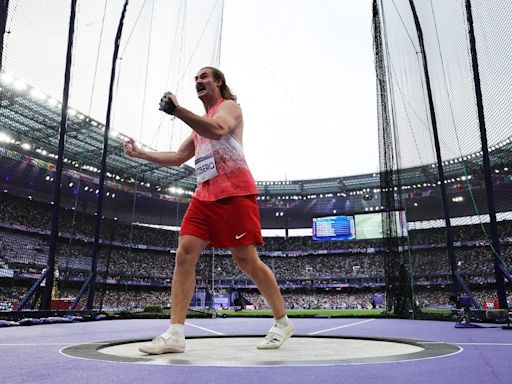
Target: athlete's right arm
{"points": [[172, 159]]}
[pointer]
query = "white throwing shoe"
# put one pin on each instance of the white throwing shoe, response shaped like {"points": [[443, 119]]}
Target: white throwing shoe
{"points": [[165, 343], [276, 336]]}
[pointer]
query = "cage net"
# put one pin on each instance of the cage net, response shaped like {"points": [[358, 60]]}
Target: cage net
{"points": [[124, 256], [134, 262], [421, 48]]}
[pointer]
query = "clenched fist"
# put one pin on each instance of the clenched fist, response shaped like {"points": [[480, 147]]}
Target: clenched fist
{"points": [[131, 149], [168, 103]]}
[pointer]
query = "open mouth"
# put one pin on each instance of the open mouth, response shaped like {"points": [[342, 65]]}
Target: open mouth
{"points": [[200, 88]]}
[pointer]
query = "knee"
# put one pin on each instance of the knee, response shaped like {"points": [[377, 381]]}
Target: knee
{"points": [[185, 258], [249, 265]]}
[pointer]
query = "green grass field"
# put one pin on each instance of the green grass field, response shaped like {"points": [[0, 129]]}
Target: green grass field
{"points": [[308, 313], [152, 312]]}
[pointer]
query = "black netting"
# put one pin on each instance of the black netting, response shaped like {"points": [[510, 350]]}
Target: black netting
{"points": [[427, 91], [134, 262]]}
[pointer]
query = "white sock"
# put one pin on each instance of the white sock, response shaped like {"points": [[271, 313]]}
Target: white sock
{"points": [[282, 321], [176, 330]]}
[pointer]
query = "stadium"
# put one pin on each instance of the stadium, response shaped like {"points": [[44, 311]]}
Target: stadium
{"points": [[402, 265]]}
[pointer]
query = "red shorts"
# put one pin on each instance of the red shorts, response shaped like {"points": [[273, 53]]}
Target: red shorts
{"points": [[226, 223]]}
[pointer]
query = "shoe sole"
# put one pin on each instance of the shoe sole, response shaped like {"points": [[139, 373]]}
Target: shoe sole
{"points": [[162, 351]]}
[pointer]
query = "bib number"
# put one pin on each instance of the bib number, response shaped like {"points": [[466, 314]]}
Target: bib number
{"points": [[205, 168]]}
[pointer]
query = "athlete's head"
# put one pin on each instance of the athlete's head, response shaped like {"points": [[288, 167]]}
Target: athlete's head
{"points": [[209, 77]]}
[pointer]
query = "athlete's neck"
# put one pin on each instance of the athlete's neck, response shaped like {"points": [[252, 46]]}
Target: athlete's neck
{"points": [[211, 102]]}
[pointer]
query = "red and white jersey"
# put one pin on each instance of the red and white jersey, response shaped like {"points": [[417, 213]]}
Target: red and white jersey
{"points": [[221, 168]]}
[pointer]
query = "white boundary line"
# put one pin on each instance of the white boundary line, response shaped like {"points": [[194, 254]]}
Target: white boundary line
{"points": [[98, 342], [343, 326], [204, 329]]}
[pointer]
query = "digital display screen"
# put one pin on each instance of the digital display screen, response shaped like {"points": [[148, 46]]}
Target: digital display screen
{"points": [[334, 228], [369, 225], [356, 227]]}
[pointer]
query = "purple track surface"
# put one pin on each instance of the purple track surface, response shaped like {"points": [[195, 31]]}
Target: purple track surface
{"points": [[30, 354]]}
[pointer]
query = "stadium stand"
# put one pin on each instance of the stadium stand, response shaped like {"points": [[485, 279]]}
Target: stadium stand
{"points": [[137, 273]]}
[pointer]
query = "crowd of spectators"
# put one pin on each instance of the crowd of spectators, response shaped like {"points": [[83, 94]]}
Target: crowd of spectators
{"points": [[145, 256], [36, 216], [21, 249]]}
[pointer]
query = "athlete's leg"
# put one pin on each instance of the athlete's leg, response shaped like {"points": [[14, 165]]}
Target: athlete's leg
{"points": [[183, 284], [184, 276], [250, 263], [282, 328]]}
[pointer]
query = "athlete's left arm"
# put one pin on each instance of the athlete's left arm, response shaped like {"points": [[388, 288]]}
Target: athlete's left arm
{"points": [[227, 118]]}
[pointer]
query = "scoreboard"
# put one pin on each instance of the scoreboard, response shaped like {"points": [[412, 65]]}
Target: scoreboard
{"points": [[365, 226], [334, 228]]}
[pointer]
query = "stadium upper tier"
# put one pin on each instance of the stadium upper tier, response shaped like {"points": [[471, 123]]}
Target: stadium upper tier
{"points": [[30, 123]]}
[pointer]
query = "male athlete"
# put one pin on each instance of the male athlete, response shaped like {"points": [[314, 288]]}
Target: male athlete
{"points": [[223, 211]]}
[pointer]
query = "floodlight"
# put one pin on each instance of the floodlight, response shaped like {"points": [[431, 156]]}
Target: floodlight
{"points": [[20, 85], [4, 138], [6, 78], [38, 94]]}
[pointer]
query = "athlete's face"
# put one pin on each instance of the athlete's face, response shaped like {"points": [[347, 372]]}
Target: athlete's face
{"points": [[206, 83]]}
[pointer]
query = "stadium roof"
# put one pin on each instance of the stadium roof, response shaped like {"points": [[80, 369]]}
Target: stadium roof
{"points": [[28, 116], [32, 117]]}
